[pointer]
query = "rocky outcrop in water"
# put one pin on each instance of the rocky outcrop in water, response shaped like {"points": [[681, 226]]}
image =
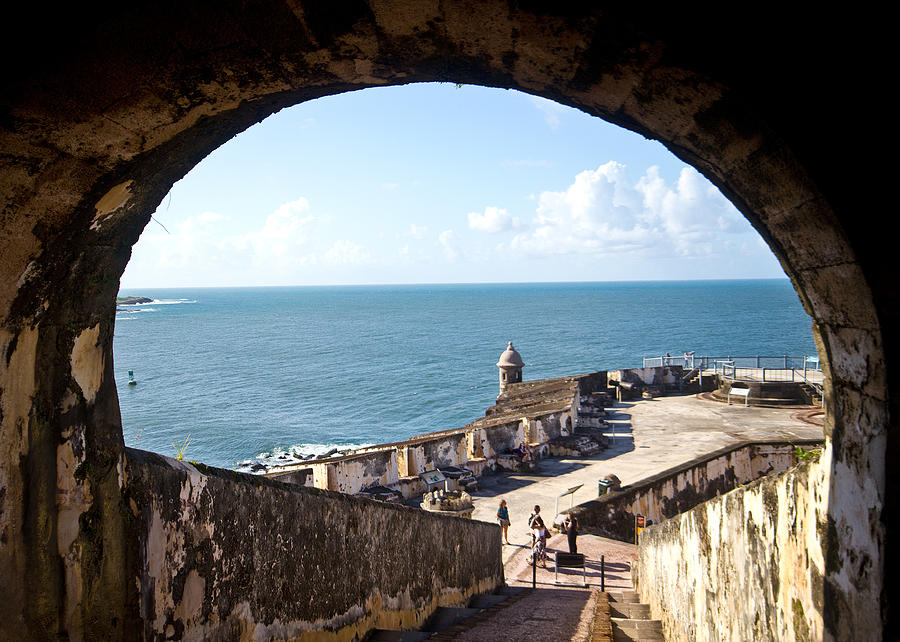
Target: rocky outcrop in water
{"points": [[132, 300]]}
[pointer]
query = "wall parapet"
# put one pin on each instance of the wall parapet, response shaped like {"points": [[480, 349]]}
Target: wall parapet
{"points": [[748, 565], [215, 553], [534, 411], [682, 487]]}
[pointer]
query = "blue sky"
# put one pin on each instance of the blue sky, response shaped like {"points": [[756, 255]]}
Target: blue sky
{"points": [[432, 183]]}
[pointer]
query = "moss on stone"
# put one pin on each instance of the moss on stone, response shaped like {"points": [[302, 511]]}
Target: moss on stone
{"points": [[801, 628], [770, 501]]}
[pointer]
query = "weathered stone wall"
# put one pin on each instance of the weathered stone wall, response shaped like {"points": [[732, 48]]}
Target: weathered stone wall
{"points": [[352, 474], [663, 377], [502, 438], [450, 451], [678, 489], [748, 565], [396, 465], [300, 476], [546, 427], [223, 555], [547, 413], [593, 382]]}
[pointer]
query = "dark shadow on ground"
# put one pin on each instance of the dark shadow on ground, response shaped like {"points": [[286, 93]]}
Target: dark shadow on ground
{"points": [[618, 430], [499, 484], [623, 443], [493, 484], [548, 612]]}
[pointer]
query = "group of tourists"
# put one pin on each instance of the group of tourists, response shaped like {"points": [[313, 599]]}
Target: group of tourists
{"points": [[538, 532]]}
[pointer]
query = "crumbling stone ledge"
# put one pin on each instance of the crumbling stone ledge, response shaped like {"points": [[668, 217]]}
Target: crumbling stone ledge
{"points": [[678, 489], [214, 553], [758, 554]]}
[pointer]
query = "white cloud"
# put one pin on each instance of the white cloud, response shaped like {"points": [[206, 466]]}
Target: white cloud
{"points": [[604, 213], [447, 240], [346, 253], [201, 250], [416, 231], [285, 233], [493, 220]]}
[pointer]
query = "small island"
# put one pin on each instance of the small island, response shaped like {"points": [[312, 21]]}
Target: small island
{"points": [[132, 300]]}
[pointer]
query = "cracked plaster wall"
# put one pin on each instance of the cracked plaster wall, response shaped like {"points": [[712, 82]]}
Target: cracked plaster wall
{"points": [[748, 565], [674, 491], [391, 464], [217, 554]]}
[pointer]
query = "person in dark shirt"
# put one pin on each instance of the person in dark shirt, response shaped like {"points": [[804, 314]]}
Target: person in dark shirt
{"points": [[571, 526], [522, 452]]}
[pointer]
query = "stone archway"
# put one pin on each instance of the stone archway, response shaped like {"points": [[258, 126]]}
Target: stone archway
{"points": [[113, 106]]}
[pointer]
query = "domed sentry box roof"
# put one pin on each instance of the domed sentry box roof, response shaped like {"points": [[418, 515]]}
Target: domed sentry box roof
{"points": [[510, 358]]}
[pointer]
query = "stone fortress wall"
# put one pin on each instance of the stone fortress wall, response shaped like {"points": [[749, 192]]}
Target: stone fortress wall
{"points": [[536, 412], [223, 555], [677, 490], [698, 518], [748, 565]]}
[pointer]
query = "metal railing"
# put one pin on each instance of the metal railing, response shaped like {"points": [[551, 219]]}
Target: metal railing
{"points": [[783, 368], [819, 390], [690, 361], [685, 361], [756, 367], [785, 371], [730, 371]]}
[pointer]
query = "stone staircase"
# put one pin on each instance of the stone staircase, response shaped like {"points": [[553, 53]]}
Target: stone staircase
{"points": [[813, 394], [631, 619], [578, 445], [444, 621], [690, 383]]}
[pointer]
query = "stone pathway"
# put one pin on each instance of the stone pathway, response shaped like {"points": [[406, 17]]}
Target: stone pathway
{"points": [[552, 611]]}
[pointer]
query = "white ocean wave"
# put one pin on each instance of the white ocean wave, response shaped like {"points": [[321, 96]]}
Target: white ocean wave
{"points": [[299, 453], [169, 301], [135, 308], [143, 306]]}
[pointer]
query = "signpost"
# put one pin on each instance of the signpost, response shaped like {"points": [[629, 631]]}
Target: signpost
{"points": [[433, 478], [571, 492], [639, 524], [740, 392]]}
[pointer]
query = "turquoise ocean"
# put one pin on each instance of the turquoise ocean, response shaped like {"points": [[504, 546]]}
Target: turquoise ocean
{"points": [[264, 374]]}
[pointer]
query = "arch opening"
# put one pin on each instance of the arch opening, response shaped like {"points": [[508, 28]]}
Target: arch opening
{"points": [[546, 194]]}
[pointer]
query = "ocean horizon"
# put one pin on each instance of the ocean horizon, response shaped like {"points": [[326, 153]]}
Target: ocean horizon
{"points": [[265, 374]]}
